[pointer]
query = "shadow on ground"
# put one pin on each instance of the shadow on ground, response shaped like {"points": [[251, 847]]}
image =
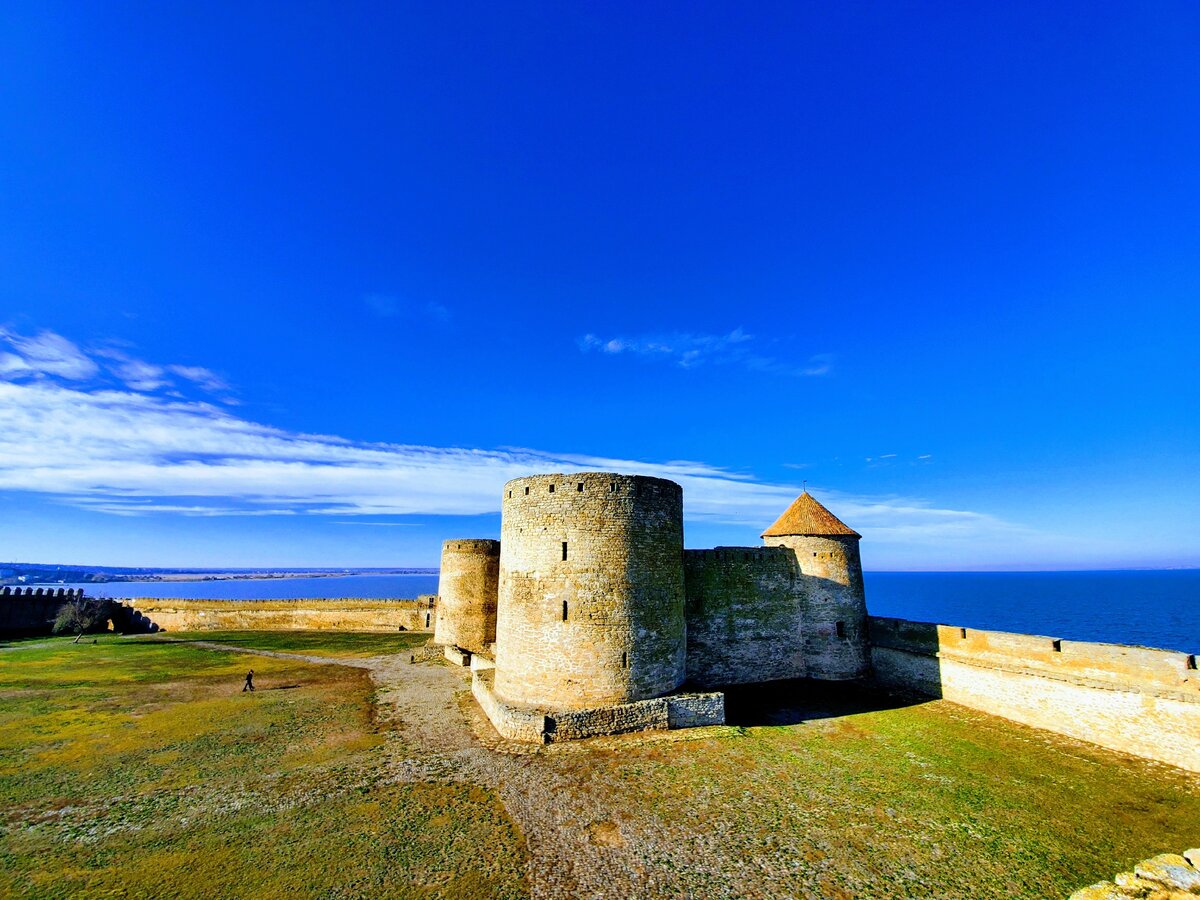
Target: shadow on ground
{"points": [[803, 700]]}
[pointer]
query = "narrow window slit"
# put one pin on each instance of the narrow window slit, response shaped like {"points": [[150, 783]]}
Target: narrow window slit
{"points": [[841, 629], [552, 489], [579, 487], [624, 660], [1058, 646], [564, 543], [564, 610], [962, 634]]}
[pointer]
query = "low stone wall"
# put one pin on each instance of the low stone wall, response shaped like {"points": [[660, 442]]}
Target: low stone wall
{"points": [[1133, 699], [524, 724], [284, 615], [511, 722]]}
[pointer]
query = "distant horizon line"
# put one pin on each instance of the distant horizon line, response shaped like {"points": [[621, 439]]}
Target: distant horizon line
{"points": [[404, 569]]}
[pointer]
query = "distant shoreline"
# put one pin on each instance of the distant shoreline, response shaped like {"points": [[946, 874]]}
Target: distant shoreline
{"points": [[190, 577]]}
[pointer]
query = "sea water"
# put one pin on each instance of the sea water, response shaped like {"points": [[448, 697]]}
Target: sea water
{"points": [[1150, 608]]}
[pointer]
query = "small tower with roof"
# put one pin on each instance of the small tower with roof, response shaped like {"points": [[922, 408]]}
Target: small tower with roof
{"points": [[830, 569]]}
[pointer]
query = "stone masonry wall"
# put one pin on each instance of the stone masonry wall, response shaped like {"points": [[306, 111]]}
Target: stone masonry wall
{"points": [[31, 611], [1133, 699], [523, 723], [835, 609], [745, 615], [591, 605], [467, 593], [285, 615]]}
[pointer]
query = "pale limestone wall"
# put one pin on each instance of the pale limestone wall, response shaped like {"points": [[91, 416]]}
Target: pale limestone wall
{"points": [[745, 615], [523, 723], [286, 615], [605, 625], [1133, 699], [467, 592], [516, 724], [835, 609]]}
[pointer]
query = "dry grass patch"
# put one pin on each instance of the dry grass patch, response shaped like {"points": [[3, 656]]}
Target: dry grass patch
{"points": [[137, 766]]}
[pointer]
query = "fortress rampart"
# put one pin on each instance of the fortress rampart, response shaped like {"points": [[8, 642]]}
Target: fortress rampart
{"points": [[1137, 700], [591, 599], [31, 611], [745, 616], [284, 615]]}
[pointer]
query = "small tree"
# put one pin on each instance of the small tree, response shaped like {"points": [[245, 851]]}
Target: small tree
{"points": [[82, 615]]}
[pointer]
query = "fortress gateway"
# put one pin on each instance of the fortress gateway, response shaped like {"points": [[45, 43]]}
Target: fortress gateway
{"points": [[588, 616]]}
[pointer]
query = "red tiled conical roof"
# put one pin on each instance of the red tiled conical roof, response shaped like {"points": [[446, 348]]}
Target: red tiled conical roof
{"points": [[808, 517]]}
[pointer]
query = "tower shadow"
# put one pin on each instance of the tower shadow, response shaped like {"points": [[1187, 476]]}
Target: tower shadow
{"points": [[804, 700]]}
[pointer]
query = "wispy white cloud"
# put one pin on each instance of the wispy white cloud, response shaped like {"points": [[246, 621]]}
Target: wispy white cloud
{"points": [[133, 454], [389, 306], [46, 353], [688, 350], [136, 450], [201, 377], [50, 355]]}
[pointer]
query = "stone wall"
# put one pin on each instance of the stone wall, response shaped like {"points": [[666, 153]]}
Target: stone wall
{"points": [[31, 611], [467, 592], [835, 608], [522, 723], [284, 615], [591, 606], [745, 616], [1133, 699]]}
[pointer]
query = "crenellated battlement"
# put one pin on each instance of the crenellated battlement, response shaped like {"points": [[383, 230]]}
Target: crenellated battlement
{"points": [[56, 593]]}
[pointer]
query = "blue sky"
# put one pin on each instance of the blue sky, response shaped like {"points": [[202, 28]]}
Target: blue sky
{"points": [[304, 286]]}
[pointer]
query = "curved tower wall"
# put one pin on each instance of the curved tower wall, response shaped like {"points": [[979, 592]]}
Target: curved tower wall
{"points": [[467, 592], [591, 607], [835, 607]]}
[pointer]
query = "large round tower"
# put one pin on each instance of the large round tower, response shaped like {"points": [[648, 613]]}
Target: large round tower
{"points": [[835, 606], [591, 607], [467, 588]]}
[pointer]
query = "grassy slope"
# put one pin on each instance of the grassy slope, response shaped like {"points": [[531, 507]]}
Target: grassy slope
{"points": [[930, 800], [137, 766], [312, 643]]}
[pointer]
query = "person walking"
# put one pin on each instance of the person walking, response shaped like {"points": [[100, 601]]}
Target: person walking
{"points": [[249, 685]]}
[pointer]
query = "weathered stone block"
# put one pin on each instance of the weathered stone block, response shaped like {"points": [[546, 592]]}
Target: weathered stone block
{"points": [[1169, 870]]}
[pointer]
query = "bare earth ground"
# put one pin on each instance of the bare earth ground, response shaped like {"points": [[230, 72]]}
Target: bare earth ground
{"points": [[814, 792], [834, 795]]}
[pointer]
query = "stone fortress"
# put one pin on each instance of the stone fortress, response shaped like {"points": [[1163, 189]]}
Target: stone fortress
{"points": [[589, 617]]}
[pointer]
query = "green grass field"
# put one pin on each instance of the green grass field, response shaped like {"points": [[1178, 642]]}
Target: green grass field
{"points": [[312, 643], [136, 767]]}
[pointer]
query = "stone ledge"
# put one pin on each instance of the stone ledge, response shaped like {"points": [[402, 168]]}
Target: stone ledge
{"points": [[546, 727], [457, 655]]}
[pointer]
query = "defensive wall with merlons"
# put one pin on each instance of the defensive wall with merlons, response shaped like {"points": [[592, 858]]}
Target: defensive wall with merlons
{"points": [[31, 611]]}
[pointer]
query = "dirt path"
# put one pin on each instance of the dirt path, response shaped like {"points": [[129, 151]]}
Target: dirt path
{"points": [[578, 845]]}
